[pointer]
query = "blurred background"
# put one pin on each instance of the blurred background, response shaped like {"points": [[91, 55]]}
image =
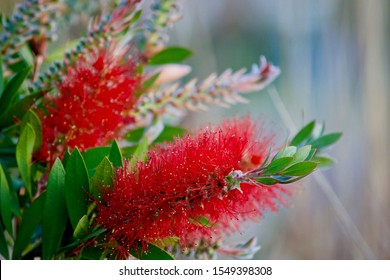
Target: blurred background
{"points": [[334, 58]]}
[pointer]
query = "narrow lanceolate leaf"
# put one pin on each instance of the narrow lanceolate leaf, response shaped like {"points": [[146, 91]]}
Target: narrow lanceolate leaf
{"points": [[102, 177], [5, 202], [76, 187], [82, 228], [55, 215], [11, 89], [267, 181], [300, 169], [116, 155], [303, 134], [140, 153], [169, 133], [277, 165], [31, 218], [170, 55], [153, 253], [288, 151], [301, 154], [24, 151], [3, 244], [326, 140], [32, 118], [1, 76], [324, 161], [18, 110]]}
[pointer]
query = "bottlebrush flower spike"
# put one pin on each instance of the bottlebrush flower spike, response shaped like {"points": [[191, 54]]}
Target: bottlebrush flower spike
{"points": [[182, 190], [221, 90], [96, 96]]}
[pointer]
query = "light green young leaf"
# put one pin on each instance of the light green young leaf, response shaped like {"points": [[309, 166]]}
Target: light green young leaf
{"points": [[301, 154], [300, 169], [277, 165], [32, 118], [82, 228], [140, 153], [116, 155], [170, 55]]}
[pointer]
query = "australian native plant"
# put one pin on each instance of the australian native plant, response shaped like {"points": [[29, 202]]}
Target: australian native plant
{"points": [[91, 169]]}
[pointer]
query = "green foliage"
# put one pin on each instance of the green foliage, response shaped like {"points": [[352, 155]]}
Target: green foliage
{"points": [[5, 202], [140, 153], [31, 118], [153, 253], [170, 55], [116, 155], [55, 214], [32, 217], [76, 187], [102, 177], [24, 151], [10, 92]]}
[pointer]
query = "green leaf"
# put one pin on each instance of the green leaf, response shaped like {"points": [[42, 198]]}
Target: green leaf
{"points": [[55, 215], [267, 181], [116, 155], [1, 76], [149, 82], [277, 165], [301, 154], [140, 153], [324, 161], [11, 89], [153, 253], [288, 151], [66, 157], [201, 221], [76, 187], [32, 216], [94, 156], [303, 134], [102, 177], [18, 110], [82, 228], [135, 135], [300, 169], [169, 133], [24, 151], [5, 202], [32, 118], [3, 244], [326, 140], [170, 55]]}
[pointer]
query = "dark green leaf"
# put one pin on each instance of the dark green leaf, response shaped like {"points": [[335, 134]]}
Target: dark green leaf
{"points": [[31, 118], [55, 215], [91, 253], [303, 134], [11, 89], [277, 165], [5, 202], [24, 151], [267, 181], [3, 244], [76, 187], [169, 133], [326, 140], [300, 169], [116, 155], [82, 228], [32, 216], [94, 156], [170, 55], [18, 110], [135, 135], [140, 153], [102, 177], [1, 76], [66, 157], [153, 253]]}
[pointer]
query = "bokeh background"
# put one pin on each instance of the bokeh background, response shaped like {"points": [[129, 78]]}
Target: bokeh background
{"points": [[334, 58]]}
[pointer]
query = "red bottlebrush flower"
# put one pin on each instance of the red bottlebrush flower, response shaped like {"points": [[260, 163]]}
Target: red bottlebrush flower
{"points": [[96, 96], [184, 183]]}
